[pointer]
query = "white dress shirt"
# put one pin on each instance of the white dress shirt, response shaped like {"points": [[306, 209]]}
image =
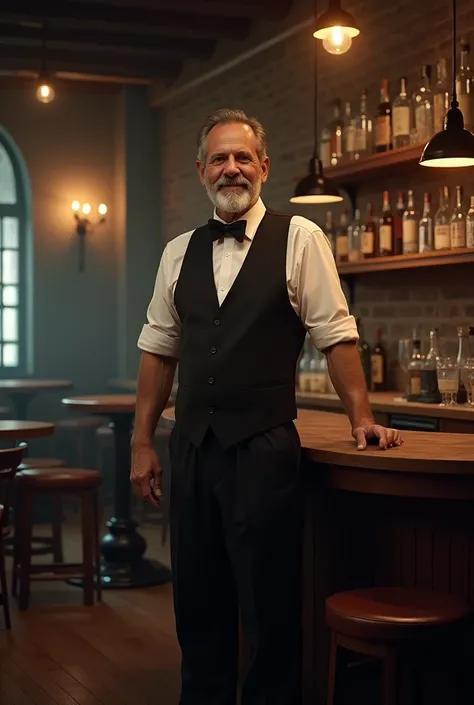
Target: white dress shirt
{"points": [[314, 289]]}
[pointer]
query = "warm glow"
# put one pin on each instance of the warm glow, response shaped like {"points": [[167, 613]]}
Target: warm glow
{"points": [[449, 162], [337, 40], [45, 93], [76, 206], [316, 199], [103, 209], [86, 208], [335, 33]]}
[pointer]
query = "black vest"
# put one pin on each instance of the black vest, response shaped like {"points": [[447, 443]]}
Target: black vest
{"points": [[237, 362]]}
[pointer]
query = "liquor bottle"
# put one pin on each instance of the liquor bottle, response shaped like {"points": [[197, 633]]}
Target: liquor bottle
{"points": [[383, 121], [304, 365], [335, 128], [415, 368], [470, 227], [342, 238], [362, 133], [325, 148], [349, 132], [410, 227], [386, 228], [354, 233], [442, 229], [429, 377], [423, 107], [369, 235], [401, 117], [379, 364], [465, 87], [365, 354], [398, 225], [458, 221], [330, 231], [463, 354], [425, 227], [441, 98]]}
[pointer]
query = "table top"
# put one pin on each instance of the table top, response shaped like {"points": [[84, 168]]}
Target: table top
{"points": [[25, 429], [326, 438], [20, 386], [102, 403]]}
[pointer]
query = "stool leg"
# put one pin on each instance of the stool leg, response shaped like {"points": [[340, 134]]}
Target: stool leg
{"points": [[4, 586], [24, 528], [88, 543], [16, 545], [56, 527], [331, 699], [97, 546], [390, 678]]}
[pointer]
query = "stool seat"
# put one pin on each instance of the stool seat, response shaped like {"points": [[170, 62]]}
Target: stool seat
{"points": [[51, 478], [42, 463], [392, 613]]}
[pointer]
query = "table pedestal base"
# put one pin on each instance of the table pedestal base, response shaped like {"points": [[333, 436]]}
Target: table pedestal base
{"points": [[141, 573]]}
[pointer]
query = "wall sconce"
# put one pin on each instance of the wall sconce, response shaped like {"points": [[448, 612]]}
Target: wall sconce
{"points": [[85, 226]]}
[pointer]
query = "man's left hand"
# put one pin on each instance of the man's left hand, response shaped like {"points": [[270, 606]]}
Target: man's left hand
{"points": [[387, 437]]}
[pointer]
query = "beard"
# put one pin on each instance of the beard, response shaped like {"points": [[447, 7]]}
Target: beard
{"points": [[237, 200]]}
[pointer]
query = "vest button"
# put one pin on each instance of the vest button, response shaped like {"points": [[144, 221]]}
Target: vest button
{"points": [[217, 322], [211, 409], [211, 380], [213, 350]]}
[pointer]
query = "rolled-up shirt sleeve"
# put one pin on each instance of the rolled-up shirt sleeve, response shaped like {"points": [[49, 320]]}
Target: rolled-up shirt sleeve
{"points": [[317, 292], [161, 334]]}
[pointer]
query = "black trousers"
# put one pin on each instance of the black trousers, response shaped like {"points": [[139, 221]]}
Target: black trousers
{"points": [[236, 540]]}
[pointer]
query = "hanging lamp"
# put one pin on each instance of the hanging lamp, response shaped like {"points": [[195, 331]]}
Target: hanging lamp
{"points": [[453, 146], [316, 188], [45, 92], [336, 28]]}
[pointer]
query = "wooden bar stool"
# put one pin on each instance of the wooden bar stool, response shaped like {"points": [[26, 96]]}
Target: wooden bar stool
{"points": [[398, 626], [84, 484], [9, 462]]}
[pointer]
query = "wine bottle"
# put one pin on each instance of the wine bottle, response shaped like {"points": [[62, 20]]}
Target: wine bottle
{"points": [[379, 364], [383, 121], [386, 227]]}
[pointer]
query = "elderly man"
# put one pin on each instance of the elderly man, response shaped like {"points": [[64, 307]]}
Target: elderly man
{"points": [[233, 301]]}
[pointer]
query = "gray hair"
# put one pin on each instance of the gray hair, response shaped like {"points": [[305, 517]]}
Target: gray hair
{"points": [[225, 115]]}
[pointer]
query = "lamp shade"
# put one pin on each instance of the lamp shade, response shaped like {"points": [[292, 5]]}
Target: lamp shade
{"points": [[335, 16], [453, 146], [315, 188]]}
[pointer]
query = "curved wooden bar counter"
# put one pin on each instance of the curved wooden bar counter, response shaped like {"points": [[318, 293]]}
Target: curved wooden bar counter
{"points": [[403, 516]]}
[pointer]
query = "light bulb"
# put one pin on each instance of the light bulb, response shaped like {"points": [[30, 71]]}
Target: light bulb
{"points": [[102, 209], [86, 208], [45, 92], [337, 40], [76, 206]]}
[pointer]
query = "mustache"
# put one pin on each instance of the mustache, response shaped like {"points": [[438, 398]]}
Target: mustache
{"points": [[236, 181]]}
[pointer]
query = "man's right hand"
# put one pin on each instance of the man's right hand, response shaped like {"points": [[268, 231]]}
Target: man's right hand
{"points": [[146, 475]]}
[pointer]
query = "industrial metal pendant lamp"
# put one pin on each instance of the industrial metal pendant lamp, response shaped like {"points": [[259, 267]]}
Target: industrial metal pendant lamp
{"points": [[336, 28], [453, 146], [315, 188]]}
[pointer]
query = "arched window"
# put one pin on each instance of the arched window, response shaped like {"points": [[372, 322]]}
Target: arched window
{"points": [[15, 252]]}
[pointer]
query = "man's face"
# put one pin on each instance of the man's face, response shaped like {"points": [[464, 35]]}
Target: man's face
{"points": [[233, 173]]}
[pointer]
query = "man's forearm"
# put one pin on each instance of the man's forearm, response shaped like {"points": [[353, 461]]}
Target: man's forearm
{"points": [[155, 381], [347, 375]]}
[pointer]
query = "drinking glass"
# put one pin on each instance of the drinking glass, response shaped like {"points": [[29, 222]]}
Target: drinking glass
{"points": [[467, 374], [448, 380], [404, 357]]}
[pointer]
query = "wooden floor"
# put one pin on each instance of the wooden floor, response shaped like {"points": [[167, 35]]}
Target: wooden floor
{"points": [[122, 652]]}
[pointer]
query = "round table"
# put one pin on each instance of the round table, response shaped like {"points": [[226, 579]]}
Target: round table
{"points": [[22, 391], [399, 517], [19, 430], [123, 548]]}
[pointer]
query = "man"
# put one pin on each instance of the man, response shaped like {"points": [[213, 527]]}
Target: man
{"points": [[233, 301]]}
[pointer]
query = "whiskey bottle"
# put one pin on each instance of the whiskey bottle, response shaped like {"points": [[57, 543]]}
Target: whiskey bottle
{"points": [[423, 106], [342, 238], [398, 225], [383, 121], [458, 221], [425, 228], [442, 228], [379, 364], [410, 227], [386, 227], [401, 117], [369, 235]]}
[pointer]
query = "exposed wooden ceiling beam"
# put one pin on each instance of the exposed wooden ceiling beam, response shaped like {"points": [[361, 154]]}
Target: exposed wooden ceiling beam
{"points": [[191, 48], [26, 57], [168, 23]]}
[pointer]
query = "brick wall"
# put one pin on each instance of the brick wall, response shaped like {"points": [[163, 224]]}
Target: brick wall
{"points": [[277, 87]]}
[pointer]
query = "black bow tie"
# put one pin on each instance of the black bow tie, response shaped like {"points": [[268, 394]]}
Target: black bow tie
{"points": [[219, 229]]}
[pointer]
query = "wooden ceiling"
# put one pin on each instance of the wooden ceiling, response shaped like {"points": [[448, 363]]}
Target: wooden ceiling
{"points": [[123, 40]]}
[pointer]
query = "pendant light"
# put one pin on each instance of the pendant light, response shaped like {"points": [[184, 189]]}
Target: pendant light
{"points": [[453, 146], [45, 92], [336, 28], [315, 188]]}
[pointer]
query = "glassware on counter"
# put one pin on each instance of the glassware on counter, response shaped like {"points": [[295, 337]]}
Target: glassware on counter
{"points": [[404, 357], [467, 375], [312, 369], [448, 380]]}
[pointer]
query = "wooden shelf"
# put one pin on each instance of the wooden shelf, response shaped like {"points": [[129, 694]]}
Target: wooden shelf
{"points": [[425, 259], [376, 165]]}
